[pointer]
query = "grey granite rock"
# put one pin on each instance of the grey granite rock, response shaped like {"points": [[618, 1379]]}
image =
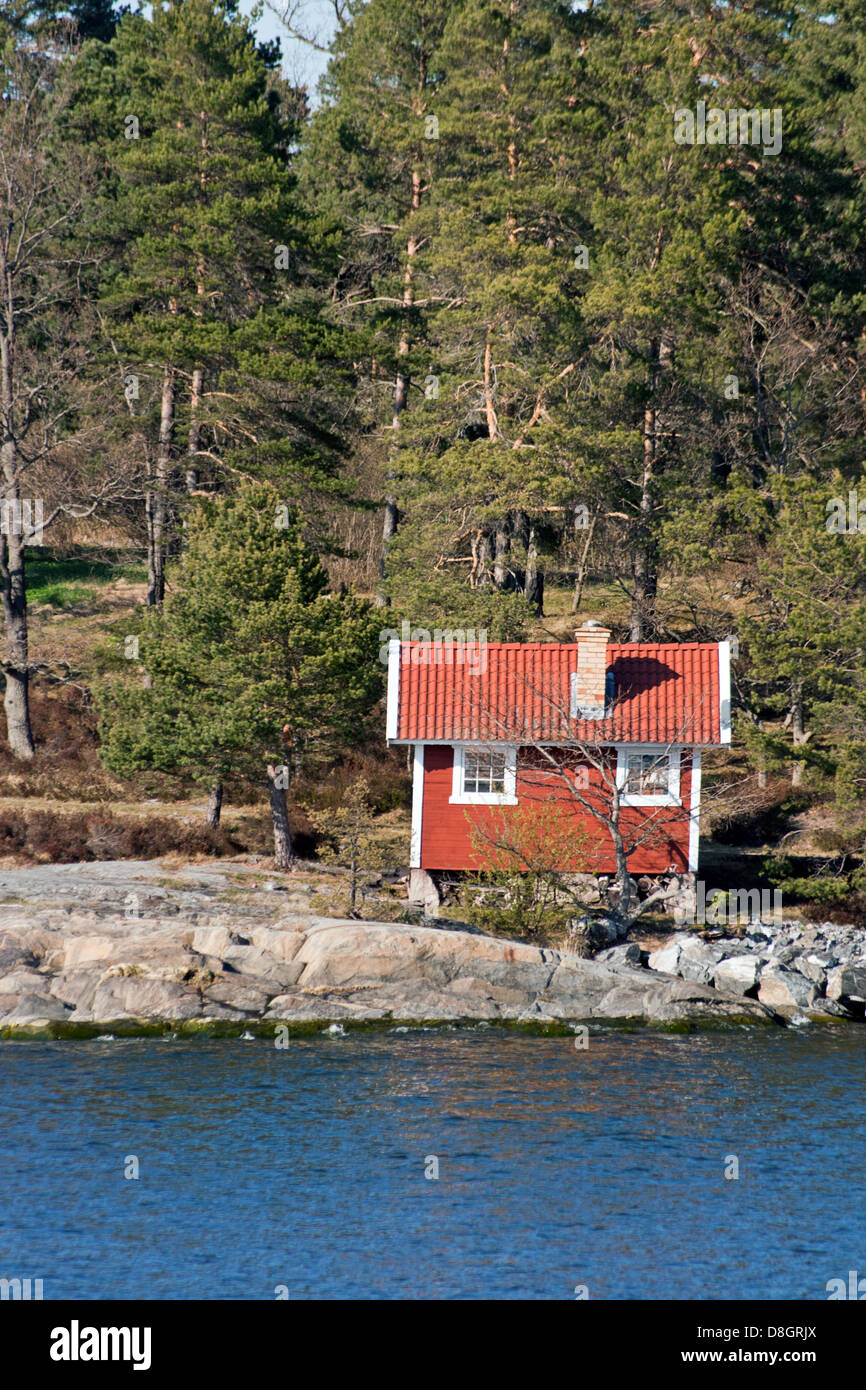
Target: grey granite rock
{"points": [[737, 974], [786, 989]]}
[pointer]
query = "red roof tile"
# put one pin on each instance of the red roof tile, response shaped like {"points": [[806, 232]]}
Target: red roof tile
{"points": [[520, 692]]}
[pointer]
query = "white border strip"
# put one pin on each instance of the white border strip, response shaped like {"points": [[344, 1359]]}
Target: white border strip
{"points": [[725, 690], [695, 811], [393, 709], [417, 806]]}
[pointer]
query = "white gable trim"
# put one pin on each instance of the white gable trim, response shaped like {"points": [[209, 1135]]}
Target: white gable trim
{"points": [[695, 811], [393, 708], [725, 690], [417, 806]]}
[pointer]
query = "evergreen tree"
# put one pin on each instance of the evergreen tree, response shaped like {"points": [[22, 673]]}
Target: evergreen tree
{"points": [[367, 176], [805, 628], [491, 439], [211, 307], [253, 667]]}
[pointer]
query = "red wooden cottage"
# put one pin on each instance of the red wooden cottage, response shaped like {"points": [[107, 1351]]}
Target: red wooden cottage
{"points": [[500, 725]]}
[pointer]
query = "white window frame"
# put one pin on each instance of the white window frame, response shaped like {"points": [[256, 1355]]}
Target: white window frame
{"points": [[659, 750], [508, 797]]}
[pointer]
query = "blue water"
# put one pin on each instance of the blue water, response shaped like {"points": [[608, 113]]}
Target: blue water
{"points": [[558, 1167]]}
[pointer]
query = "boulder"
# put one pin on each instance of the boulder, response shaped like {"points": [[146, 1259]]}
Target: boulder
{"points": [[828, 1008], [424, 891], [629, 954], [34, 1008], [698, 960], [810, 968], [142, 996], [782, 955], [302, 1008], [370, 953], [847, 983], [667, 959], [786, 989], [82, 950], [77, 987], [281, 942], [239, 993], [249, 960], [24, 981], [213, 941], [736, 974]]}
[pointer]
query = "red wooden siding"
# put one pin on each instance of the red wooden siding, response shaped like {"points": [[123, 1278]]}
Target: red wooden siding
{"points": [[446, 829]]}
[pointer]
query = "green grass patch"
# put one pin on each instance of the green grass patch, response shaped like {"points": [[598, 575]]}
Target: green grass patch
{"points": [[57, 595], [45, 570]]}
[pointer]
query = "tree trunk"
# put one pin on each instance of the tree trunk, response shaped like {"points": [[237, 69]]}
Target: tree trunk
{"points": [[401, 388], [489, 390], [484, 561], [622, 909], [582, 568], [283, 852], [353, 890], [389, 531], [192, 474], [532, 579], [215, 805], [500, 556], [156, 502], [644, 571], [798, 730], [533, 588], [16, 667]]}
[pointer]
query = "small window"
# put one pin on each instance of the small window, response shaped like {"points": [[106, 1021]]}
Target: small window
{"points": [[483, 772], [647, 774]]}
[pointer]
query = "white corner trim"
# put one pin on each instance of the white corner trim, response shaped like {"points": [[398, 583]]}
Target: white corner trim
{"points": [[417, 806], [672, 796], [695, 811], [725, 690], [393, 708], [459, 797]]}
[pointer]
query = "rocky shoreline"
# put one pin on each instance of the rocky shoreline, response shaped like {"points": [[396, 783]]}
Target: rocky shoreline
{"points": [[88, 949], [791, 966]]}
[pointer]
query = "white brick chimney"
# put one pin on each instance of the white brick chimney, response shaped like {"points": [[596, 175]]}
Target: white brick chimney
{"points": [[588, 683]]}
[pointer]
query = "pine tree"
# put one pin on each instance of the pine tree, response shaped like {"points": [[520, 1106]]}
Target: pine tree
{"points": [[491, 439], [211, 308], [367, 174], [805, 628], [254, 668]]}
